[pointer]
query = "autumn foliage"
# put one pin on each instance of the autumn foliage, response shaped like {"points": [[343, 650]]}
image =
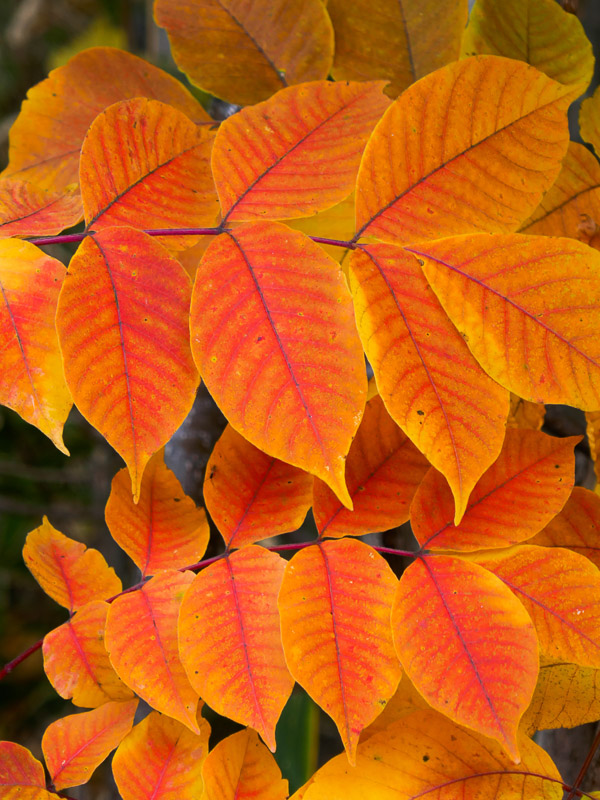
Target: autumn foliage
{"points": [[424, 209]]}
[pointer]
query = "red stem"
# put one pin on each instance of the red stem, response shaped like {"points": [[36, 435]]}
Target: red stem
{"points": [[8, 668], [584, 767]]}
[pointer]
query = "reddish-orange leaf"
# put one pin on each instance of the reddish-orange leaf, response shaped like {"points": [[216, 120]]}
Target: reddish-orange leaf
{"points": [[269, 45], [250, 495], [229, 639], [427, 756], [571, 207], [427, 378], [298, 152], [383, 470], [75, 745], [45, 140], [576, 527], [164, 530], [471, 147], [335, 605], [521, 492], [290, 379], [21, 775], [27, 210], [141, 638], [539, 32], [241, 768], [561, 591], [398, 41], [70, 573], [122, 323], [529, 309], [146, 164], [76, 661], [467, 644], [161, 760], [31, 380]]}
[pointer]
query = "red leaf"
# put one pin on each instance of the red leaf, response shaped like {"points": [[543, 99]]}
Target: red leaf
{"points": [[28, 210], [251, 495], [75, 745], [21, 775]]}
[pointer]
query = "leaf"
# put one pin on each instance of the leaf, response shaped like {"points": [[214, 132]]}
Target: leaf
{"points": [[31, 380], [45, 140], [524, 414], [27, 210], [561, 592], [146, 164], [229, 639], [68, 571], [528, 308], [467, 644], [406, 700], [141, 639], [76, 661], [335, 604], [21, 775], [589, 120], [122, 322], [427, 755], [571, 207], [161, 760], [75, 745], [290, 380], [250, 495], [520, 493], [269, 45], [566, 696], [336, 222], [164, 530], [471, 147], [577, 526], [241, 768], [427, 378], [538, 32], [592, 431], [383, 470], [398, 41], [297, 153]]}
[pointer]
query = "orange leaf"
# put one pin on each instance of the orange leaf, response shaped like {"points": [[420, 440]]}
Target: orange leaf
{"points": [[70, 573], [592, 431], [141, 639], [566, 696], [467, 644], [27, 210], [576, 527], [161, 760], [229, 639], [539, 32], [164, 530], [146, 164], [21, 775], [45, 140], [31, 380], [335, 604], [75, 745], [336, 222], [426, 755], [76, 661], [471, 147], [521, 492], [298, 152], [241, 768], [383, 470], [250, 495], [290, 380], [427, 378], [529, 309], [398, 41], [268, 44], [122, 323], [589, 120], [561, 591], [571, 207], [524, 414], [406, 700]]}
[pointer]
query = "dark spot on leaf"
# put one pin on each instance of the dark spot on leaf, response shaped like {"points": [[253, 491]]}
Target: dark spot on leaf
{"points": [[420, 413]]}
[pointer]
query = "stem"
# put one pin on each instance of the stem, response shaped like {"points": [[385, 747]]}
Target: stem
{"points": [[584, 767], [392, 551], [8, 668]]}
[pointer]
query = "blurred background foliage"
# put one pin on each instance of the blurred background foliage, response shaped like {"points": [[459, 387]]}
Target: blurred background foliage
{"points": [[36, 479]]}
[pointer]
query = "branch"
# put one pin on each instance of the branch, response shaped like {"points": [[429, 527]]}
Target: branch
{"points": [[575, 791]]}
